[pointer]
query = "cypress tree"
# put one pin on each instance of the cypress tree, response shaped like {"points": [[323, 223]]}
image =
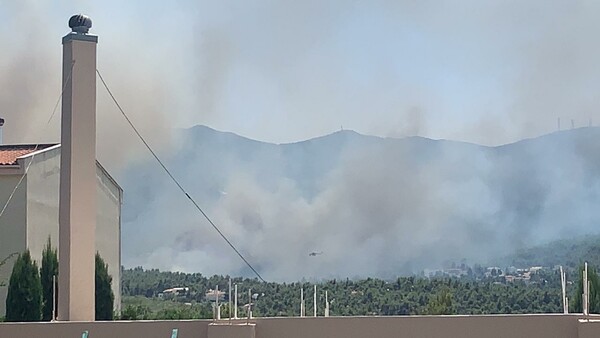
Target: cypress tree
{"points": [[104, 295], [48, 270], [24, 299]]}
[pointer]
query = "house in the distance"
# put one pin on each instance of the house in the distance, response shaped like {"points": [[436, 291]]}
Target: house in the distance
{"points": [[31, 216]]}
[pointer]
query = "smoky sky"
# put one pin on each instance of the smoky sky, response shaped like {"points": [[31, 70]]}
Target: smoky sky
{"points": [[373, 206], [490, 73], [486, 72]]}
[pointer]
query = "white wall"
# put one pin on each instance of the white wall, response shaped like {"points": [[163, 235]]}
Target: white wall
{"points": [[12, 228], [41, 191]]}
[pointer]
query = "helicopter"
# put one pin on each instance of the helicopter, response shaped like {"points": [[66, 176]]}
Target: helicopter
{"points": [[315, 253]]}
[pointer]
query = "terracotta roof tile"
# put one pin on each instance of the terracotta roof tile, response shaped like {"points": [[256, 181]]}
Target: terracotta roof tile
{"points": [[10, 152]]}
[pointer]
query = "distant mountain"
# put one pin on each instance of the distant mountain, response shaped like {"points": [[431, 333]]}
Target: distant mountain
{"points": [[374, 206], [570, 253]]}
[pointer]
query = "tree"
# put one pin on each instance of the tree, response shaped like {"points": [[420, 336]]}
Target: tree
{"points": [[441, 303], [104, 295], [24, 299], [48, 271]]}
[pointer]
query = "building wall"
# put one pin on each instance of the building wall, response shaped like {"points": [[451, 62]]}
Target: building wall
{"points": [[546, 326], [145, 329], [12, 228], [108, 228], [492, 326], [41, 214], [42, 201], [589, 328]]}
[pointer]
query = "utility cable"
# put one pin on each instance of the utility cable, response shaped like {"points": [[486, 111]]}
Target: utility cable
{"points": [[189, 197], [37, 145]]}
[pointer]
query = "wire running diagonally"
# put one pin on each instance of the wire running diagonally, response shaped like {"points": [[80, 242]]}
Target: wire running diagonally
{"points": [[168, 172], [37, 145]]}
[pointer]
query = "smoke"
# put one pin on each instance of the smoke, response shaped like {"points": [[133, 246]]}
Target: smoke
{"points": [[485, 72], [30, 78], [374, 207]]}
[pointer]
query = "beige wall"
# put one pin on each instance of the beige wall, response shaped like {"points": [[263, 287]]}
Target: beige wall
{"points": [[542, 326], [42, 201], [12, 228], [40, 190], [150, 329], [108, 228], [530, 326], [589, 328]]}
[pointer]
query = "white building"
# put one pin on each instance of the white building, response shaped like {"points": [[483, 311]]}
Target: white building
{"points": [[32, 214]]}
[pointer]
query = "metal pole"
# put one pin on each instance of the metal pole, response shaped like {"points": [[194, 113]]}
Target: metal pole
{"points": [[229, 299], [302, 302], [235, 305], [217, 302], [249, 303], [315, 301], [53, 297]]}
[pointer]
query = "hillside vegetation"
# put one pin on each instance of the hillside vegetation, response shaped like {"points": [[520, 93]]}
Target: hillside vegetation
{"points": [[403, 296]]}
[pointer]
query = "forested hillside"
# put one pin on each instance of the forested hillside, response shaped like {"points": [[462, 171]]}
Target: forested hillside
{"points": [[570, 253], [403, 296]]}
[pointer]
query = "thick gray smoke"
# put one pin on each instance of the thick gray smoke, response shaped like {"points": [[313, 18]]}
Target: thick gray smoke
{"points": [[489, 72], [30, 82], [374, 207]]}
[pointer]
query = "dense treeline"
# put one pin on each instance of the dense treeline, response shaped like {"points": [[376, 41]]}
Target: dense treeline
{"points": [[403, 296], [31, 290]]}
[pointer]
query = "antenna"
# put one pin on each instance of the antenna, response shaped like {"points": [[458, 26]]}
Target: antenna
{"points": [[235, 306], [315, 301], [249, 303], [572, 124], [563, 283], [585, 299], [302, 302], [559, 124], [229, 299], [326, 305], [53, 297], [217, 302]]}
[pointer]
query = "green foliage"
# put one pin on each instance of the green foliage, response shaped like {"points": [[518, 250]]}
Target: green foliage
{"points": [[594, 282], [104, 295], [48, 270], [566, 252], [24, 299], [404, 296], [441, 303], [135, 312], [142, 308]]}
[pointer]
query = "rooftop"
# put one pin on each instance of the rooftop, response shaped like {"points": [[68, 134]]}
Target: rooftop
{"points": [[9, 153]]}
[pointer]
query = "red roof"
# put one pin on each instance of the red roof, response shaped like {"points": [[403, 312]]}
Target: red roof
{"points": [[10, 152]]}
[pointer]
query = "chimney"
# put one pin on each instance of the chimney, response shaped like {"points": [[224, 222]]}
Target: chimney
{"points": [[77, 203], [1, 130]]}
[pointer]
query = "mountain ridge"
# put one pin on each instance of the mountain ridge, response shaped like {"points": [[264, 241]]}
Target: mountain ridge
{"points": [[423, 200]]}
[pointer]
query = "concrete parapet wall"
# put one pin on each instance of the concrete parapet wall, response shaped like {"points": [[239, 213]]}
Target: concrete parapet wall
{"points": [[589, 328], [226, 330], [118, 329], [546, 326], [491, 326]]}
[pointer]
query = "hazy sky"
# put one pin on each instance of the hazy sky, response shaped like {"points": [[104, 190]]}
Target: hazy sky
{"points": [[488, 72]]}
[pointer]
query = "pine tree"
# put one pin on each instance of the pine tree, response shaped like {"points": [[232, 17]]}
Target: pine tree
{"points": [[24, 299], [48, 270], [104, 294]]}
